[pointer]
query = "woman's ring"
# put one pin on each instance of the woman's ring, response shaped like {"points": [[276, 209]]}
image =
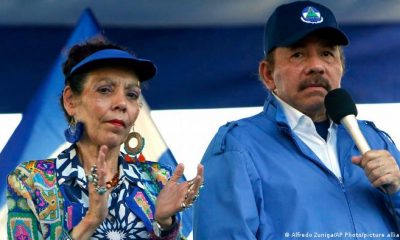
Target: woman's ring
{"points": [[183, 205], [190, 182], [101, 190], [195, 197]]}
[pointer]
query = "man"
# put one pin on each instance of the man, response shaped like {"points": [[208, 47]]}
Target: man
{"points": [[289, 171]]}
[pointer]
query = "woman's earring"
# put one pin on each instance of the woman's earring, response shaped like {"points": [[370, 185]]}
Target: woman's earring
{"points": [[74, 131], [139, 144]]}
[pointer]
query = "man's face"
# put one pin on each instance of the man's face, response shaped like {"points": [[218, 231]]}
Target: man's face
{"points": [[304, 73]]}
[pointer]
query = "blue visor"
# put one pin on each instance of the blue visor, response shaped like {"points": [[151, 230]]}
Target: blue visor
{"points": [[145, 69]]}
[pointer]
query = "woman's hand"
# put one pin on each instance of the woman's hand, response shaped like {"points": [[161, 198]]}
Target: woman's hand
{"points": [[98, 210], [175, 196]]}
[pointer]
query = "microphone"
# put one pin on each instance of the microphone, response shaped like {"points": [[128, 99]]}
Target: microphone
{"points": [[341, 108]]}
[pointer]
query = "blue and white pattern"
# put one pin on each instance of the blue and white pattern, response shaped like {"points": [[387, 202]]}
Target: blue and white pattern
{"points": [[122, 221]]}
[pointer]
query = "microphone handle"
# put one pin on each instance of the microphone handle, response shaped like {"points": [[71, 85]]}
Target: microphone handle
{"points": [[351, 125]]}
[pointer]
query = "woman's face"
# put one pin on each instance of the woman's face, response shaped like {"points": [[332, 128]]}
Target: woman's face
{"points": [[108, 106]]}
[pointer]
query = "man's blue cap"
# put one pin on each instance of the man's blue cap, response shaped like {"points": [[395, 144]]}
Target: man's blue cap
{"points": [[144, 69], [292, 22]]}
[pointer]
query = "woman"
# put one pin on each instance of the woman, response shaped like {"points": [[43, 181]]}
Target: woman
{"points": [[92, 190]]}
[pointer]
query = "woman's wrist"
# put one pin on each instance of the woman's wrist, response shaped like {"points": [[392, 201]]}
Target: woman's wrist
{"points": [[170, 230], [86, 227], [165, 223], [92, 220]]}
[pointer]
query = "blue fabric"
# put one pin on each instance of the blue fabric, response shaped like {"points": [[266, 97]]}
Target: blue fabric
{"points": [[322, 128], [220, 63], [123, 210], [262, 181], [145, 69]]}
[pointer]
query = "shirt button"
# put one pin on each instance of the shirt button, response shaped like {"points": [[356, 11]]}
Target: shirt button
{"points": [[114, 194]]}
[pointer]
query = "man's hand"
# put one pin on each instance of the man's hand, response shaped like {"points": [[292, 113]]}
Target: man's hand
{"points": [[381, 169]]}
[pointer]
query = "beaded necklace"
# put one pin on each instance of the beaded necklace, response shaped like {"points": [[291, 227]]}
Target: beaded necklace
{"points": [[113, 182]]}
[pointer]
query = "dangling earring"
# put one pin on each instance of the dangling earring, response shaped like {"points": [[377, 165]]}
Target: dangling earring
{"points": [[74, 131], [139, 146]]}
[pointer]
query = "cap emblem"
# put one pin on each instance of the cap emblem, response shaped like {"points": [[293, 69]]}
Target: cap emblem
{"points": [[311, 15]]}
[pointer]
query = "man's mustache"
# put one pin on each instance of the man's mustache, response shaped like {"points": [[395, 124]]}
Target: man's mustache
{"points": [[315, 81]]}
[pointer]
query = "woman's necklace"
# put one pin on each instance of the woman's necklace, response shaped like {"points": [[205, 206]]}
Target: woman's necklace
{"points": [[113, 182]]}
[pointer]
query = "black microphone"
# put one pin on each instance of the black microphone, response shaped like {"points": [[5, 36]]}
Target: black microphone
{"points": [[341, 108]]}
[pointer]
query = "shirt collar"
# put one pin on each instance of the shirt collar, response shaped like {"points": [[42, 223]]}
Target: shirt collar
{"points": [[295, 118]]}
